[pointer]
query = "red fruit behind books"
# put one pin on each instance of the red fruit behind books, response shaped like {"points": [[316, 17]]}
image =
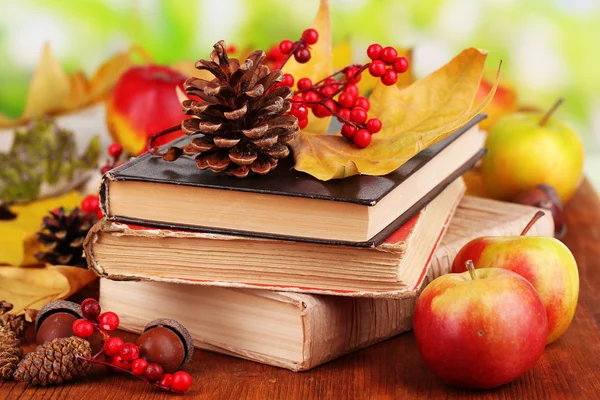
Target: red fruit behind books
{"points": [[143, 102]]}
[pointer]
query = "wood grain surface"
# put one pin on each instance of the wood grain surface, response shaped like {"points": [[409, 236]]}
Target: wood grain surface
{"points": [[568, 369]]}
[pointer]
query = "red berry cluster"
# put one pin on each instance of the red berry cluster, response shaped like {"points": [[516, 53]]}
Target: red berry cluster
{"points": [[124, 356], [337, 95], [386, 64], [91, 205], [115, 150], [300, 49]]}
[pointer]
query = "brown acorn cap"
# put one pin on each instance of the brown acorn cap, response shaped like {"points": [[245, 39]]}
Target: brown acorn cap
{"points": [[57, 306], [180, 331]]}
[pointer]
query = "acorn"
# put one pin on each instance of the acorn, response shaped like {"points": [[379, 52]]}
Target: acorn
{"points": [[166, 342], [55, 320]]}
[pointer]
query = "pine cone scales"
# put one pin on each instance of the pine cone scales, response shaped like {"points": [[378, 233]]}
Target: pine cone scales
{"points": [[10, 352], [242, 116], [55, 362], [63, 234]]}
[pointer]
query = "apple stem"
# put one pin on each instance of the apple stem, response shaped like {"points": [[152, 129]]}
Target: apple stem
{"points": [[159, 134], [471, 269], [547, 116], [535, 219]]}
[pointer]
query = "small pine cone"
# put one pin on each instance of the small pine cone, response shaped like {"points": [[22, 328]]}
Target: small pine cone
{"points": [[63, 234], [10, 353], [15, 323], [55, 362], [242, 120]]}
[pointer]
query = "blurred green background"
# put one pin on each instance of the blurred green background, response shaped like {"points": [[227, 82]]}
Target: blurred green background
{"points": [[550, 48]]}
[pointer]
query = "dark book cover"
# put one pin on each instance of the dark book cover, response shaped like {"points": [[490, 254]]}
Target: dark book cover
{"points": [[285, 181]]}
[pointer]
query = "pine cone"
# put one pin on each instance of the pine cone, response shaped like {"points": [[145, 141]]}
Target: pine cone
{"points": [[243, 116], [16, 323], [10, 353], [63, 234], [55, 362]]}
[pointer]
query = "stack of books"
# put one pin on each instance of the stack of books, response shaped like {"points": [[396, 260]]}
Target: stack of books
{"points": [[284, 269]]}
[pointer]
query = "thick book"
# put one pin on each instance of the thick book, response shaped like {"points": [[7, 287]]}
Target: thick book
{"points": [[286, 204], [295, 330], [395, 268]]}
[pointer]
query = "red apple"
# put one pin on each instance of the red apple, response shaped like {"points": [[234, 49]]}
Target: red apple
{"points": [[143, 102], [544, 261], [480, 329]]}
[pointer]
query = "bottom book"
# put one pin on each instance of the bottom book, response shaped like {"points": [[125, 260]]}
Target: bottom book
{"points": [[294, 330]]}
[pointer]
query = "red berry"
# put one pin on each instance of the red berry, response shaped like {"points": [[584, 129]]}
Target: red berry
{"points": [[182, 381], [310, 36], [166, 381], [389, 55], [129, 352], [119, 362], [352, 76], [348, 131], [302, 123], [99, 214], [390, 78], [302, 55], [362, 138], [299, 111], [346, 99], [377, 68], [115, 150], [358, 115], [286, 46], [331, 104], [90, 203], [154, 372], [231, 49], [90, 308], [362, 102], [296, 98], [352, 89], [400, 65], [332, 82], [112, 346], [374, 125], [328, 91], [343, 113], [288, 80], [83, 328], [310, 98], [374, 51], [108, 321], [138, 366], [304, 83]]}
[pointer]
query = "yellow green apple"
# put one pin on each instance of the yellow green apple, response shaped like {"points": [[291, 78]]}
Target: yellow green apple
{"points": [[544, 261], [528, 149], [480, 329]]}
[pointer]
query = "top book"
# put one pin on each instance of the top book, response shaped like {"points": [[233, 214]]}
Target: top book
{"points": [[286, 204]]}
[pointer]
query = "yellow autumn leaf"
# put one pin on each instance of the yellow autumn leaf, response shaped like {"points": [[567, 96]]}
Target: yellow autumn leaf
{"points": [[368, 82], [342, 55], [17, 236], [320, 64], [35, 287], [413, 118], [49, 88]]}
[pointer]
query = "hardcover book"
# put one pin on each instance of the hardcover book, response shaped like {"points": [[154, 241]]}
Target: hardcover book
{"points": [[395, 268], [286, 204], [300, 331]]}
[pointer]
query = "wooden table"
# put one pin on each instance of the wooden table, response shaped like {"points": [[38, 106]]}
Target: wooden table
{"points": [[569, 368]]}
